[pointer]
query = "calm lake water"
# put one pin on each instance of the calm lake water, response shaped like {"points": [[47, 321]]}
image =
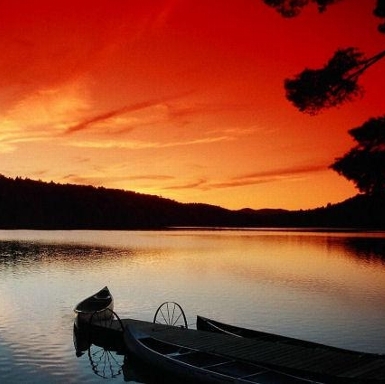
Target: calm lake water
{"points": [[324, 287]]}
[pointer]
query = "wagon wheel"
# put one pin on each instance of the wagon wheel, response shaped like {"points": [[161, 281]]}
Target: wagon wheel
{"points": [[170, 313]]}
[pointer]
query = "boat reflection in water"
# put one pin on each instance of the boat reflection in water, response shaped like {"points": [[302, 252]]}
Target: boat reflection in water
{"points": [[100, 337], [215, 352], [92, 334], [104, 352], [108, 357], [116, 347]]}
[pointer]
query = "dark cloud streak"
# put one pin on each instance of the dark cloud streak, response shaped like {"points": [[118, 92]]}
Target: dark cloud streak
{"points": [[108, 115], [85, 124], [255, 178]]}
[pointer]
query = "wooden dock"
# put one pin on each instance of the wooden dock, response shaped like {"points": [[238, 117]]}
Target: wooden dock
{"points": [[330, 365]]}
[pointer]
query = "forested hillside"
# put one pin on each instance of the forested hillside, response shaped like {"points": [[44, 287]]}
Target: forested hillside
{"points": [[26, 203], [29, 204]]}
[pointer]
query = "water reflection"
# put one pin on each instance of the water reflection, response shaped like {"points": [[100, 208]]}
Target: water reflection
{"points": [[324, 287], [109, 360], [368, 249], [359, 246], [15, 252], [106, 359]]}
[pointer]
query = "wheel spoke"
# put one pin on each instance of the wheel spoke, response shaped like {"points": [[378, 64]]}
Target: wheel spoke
{"points": [[170, 313], [173, 312], [164, 318], [174, 323]]}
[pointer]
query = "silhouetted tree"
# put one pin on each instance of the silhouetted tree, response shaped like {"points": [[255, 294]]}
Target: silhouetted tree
{"points": [[365, 163], [379, 11], [315, 89], [337, 82], [291, 8]]}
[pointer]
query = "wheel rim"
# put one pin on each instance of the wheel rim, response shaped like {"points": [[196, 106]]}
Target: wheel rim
{"points": [[170, 313]]}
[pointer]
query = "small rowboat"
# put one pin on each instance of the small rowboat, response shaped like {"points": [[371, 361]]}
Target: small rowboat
{"points": [[195, 366], [99, 306]]}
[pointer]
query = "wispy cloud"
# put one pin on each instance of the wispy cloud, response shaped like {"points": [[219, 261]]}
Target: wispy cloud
{"points": [[137, 144], [103, 178], [270, 175], [102, 117], [9, 139], [183, 110], [107, 115], [73, 178], [39, 116], [255, 178], [198, 184], [150, 177]]}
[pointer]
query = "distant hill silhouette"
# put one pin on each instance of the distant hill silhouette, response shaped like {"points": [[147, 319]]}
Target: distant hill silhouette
{"points": [[29, 204]]}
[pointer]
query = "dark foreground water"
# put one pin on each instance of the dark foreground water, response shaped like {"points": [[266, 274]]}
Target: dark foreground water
{"points": [[324, 287]]}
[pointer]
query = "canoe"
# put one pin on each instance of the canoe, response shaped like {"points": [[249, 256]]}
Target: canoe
{"points": [[206, 324], [99, 307], [342, 365], [189, 365]]}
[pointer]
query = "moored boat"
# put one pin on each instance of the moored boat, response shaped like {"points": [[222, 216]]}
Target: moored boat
{"points": [[194, 366], [99, 306], [333, 364], [206, 324]]}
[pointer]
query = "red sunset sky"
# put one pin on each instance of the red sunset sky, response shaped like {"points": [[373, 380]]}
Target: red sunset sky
{"points": [[179, 98]]}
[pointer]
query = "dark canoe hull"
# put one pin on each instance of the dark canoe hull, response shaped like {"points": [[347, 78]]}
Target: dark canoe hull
{"points": [[371, 365], [187, 365], [206, 324], [99, 306]]}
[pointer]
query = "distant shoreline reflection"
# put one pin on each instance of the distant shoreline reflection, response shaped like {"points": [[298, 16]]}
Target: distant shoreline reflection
{"points": [[369, 249], [366, 248]]}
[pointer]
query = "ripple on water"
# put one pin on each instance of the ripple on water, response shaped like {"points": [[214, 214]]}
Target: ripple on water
{"points": [[278, 283]]}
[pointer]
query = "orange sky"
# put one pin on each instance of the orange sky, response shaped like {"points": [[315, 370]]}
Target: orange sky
{"points": [[179, 98]]}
